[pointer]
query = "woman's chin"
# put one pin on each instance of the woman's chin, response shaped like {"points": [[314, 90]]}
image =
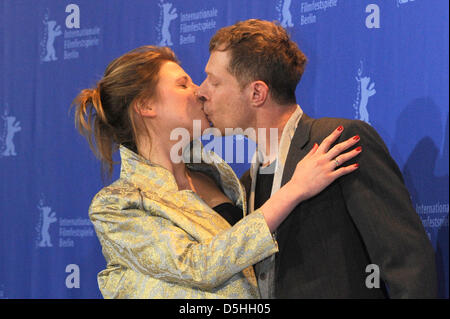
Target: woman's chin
{"points": [[204, 123], [199, 125]]}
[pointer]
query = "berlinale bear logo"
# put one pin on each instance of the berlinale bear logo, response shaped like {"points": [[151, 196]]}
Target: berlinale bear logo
{"points": [[10, 128], [52, 30], [285, 16], [168, 16], [47, 217], [366, 89]]}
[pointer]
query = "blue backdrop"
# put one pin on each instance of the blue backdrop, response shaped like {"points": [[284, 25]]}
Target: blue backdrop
{"points": [[381, 61]]}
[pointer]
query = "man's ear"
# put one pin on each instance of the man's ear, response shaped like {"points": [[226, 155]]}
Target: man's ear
{"points": [[145, 110], [259, 92]]}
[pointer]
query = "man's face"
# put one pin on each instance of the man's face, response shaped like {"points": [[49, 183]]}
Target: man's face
{"points": [[225, 103]]}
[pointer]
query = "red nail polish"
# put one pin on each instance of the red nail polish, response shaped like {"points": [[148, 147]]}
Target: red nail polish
{"points": [[340, 128], [358, 149], [356, 138], [356, 165]]}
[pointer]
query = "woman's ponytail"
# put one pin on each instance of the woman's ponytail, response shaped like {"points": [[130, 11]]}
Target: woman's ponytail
{"points": [[91, 122]]}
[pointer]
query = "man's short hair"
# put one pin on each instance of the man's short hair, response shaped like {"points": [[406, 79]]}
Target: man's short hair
{"points": [[262, 50]]}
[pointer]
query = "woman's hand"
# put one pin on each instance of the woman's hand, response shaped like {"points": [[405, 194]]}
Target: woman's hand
{"points": [[318, 169], [322, 165]]}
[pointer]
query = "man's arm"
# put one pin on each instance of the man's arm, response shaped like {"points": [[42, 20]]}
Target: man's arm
{"points": [[380, 206]]}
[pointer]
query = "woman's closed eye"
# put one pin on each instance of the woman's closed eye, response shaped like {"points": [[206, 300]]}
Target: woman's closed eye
{"points": [[183, 82]]}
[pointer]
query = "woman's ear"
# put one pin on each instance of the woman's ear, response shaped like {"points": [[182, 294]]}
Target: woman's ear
{"points": [[145, 110], [259, 92]]}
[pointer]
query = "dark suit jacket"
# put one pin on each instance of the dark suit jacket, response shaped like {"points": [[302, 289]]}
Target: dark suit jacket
{"points": [[363, 218]]}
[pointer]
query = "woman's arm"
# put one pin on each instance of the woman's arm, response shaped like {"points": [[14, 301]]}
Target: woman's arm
{"points": [[151, 244]]}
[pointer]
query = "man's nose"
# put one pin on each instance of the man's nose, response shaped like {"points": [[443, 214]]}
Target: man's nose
{"points": [[197, 96], [201, 92]]}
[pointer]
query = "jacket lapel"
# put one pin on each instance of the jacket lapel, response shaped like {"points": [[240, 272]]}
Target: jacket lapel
{"points": [[160, 194], [298, 148]]}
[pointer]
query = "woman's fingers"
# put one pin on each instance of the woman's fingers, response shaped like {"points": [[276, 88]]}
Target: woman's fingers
{"points": [[317, 169], [312, 151], [341, 147], [330, 139], [344, 171], [341, 159]]}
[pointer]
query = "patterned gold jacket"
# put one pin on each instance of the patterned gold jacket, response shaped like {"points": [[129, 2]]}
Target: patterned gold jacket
{"points": [[160, 242]]}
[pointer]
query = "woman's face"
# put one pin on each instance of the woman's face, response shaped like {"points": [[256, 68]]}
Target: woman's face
{"points": [[177, 103]]}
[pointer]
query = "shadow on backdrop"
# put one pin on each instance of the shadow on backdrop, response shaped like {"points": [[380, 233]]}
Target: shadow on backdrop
{"points": [[422, 164]]}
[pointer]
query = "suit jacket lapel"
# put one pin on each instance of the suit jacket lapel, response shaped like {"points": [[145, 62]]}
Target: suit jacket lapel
{"points": [[298, 148], [253, 172]]}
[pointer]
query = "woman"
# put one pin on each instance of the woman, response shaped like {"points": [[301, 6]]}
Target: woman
{"points": [[165, 227]]}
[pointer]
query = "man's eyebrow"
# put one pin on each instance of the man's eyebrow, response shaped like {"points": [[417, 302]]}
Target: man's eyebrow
{"points": [[210, 74]]}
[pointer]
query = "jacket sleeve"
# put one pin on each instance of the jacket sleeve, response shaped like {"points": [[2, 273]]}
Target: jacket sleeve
{"points": [[156, 246], [380, 205]]}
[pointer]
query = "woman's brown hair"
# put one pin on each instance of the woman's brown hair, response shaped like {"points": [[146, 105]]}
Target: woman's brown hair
{"points": [[104, 114]]}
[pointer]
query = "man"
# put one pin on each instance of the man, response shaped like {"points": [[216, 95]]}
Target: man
{"points": [[360, 237]]}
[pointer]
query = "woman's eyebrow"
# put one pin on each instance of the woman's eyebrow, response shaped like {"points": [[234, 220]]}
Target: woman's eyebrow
{"points": [[183, 78]]}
